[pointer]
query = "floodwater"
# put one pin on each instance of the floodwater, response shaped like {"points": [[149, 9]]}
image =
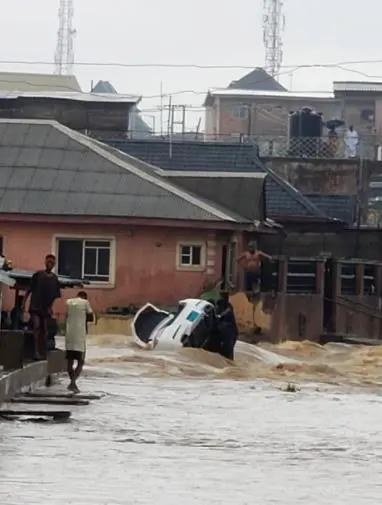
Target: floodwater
{"points": [[183, 427]]}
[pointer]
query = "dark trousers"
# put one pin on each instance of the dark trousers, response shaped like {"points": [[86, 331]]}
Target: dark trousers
{"points": [[251, 280]]}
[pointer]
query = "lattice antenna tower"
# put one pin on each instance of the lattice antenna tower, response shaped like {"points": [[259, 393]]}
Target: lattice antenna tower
{"points": [[273, 28], [64, 57]]}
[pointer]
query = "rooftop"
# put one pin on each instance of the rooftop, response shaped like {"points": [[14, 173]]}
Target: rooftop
{"points": [[360, 86], [247, 93], [257, 79], [14, 81], [282, 199], [78, 96], [48, 169]]}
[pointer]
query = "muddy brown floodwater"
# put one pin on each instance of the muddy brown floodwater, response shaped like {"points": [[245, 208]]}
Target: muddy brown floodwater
{"points": [[186, 428]]}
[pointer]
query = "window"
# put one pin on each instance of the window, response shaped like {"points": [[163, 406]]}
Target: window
{"points": [[191, 256], [240, 111], [85, 259]]}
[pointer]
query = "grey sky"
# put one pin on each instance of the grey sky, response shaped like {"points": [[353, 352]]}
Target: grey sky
{"points": [[216, 32]]}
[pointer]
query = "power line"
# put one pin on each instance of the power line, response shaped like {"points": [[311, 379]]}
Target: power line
{"points": [[192, 65]]}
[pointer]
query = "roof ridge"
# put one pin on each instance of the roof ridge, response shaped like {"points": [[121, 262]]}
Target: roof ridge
{"points": [[139, 172]]}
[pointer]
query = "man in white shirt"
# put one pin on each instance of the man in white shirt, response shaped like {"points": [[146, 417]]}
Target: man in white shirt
{"points": [[351, 141], [78, 314]]}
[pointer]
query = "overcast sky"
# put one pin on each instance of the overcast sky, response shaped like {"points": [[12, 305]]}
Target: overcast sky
{"points": [[204, 32]]}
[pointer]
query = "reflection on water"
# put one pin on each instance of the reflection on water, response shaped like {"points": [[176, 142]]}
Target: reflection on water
{"points": [[186, 427]]}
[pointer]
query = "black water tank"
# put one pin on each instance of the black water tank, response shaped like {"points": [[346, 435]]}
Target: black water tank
{"points": [[305, 123], [305, 133]]}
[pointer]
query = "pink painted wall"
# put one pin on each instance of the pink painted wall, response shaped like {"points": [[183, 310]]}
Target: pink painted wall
{"points": [[145, 260]]}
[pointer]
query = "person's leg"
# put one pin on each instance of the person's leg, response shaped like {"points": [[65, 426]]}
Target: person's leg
{"points": [[247, 280], [70, 369], [36, 322], [251, 281], [79, 357], [80, 365], [44, 335]]}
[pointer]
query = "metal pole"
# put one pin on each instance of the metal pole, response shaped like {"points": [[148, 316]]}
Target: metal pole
{"points": [[161, 108]]}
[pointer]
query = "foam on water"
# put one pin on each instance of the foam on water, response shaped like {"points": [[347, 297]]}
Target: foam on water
{"points": [[289, 361]]}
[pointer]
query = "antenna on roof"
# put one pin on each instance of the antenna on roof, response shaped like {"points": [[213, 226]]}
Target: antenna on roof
{"points": [[273, 27], [64, 56]]}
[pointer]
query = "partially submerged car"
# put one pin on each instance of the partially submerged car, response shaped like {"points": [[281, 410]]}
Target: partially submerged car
{"points": [[197, 323]]}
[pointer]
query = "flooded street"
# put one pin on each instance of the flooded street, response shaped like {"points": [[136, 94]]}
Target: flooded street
{"points": [[177, 427]]}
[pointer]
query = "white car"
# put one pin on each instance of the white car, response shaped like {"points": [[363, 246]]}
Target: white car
{"points": [[189, 327]]}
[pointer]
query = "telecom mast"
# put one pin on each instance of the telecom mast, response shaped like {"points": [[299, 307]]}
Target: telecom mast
{"points": [[64, 57], [273, 27]]}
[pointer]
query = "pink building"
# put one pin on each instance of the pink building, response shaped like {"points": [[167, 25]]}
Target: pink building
{"points": [[136, 232]]}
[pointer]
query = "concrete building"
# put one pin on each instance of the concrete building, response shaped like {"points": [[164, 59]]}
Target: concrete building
{"points": [[136, 232], [258, 105]]}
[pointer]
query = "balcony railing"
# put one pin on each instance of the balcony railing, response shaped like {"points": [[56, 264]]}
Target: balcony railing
{"points": [[332, 147]]}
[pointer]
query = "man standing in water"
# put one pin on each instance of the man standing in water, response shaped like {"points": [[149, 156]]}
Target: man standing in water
{"points": [[44, 290], [78, 314], [250, 261]]}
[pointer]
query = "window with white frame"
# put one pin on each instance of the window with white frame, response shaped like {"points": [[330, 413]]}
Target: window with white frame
{"points": [[88, 259], [191, 255], [240, 111]]}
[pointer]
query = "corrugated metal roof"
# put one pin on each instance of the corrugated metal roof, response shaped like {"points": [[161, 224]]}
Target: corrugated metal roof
{"points": [[361, 86], [71, 95], [14, 81], [48, 169]]}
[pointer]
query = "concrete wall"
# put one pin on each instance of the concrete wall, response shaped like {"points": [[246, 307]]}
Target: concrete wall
{"points": [[318, 175], [269, 116], [145, 260]]}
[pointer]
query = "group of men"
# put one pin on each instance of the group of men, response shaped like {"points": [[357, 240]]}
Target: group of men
{"points": [[43, 291]]}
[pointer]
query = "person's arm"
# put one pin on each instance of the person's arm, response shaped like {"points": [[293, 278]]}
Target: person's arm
{"points": [[89, 313], [265, 255], [32, 288], [241, 257], [58, 289]]}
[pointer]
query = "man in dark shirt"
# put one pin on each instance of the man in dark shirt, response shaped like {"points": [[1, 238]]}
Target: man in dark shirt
{"points": [[44, 290]]}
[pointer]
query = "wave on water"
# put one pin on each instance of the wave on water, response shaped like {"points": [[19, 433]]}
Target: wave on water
{"points": [[288, 361]]}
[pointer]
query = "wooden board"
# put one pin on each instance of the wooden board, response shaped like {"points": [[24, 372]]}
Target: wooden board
{"points": [[56, 414], [49, 401], [79, 396]]}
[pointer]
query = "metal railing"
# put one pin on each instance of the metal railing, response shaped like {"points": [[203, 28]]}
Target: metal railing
{"points": [[283, 146]]}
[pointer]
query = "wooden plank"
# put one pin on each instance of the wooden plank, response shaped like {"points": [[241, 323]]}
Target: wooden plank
{"points": [[56, 414], [49, 401], [80, 396]]}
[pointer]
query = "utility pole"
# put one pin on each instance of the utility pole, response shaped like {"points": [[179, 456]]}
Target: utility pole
{"points": [[64, 56], [273, 27]]}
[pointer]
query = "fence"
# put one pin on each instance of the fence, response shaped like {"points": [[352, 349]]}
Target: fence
{"points": [[330, 146]]}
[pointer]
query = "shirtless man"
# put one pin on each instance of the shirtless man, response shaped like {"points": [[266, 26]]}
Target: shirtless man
{"points": [[250, 260]]}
